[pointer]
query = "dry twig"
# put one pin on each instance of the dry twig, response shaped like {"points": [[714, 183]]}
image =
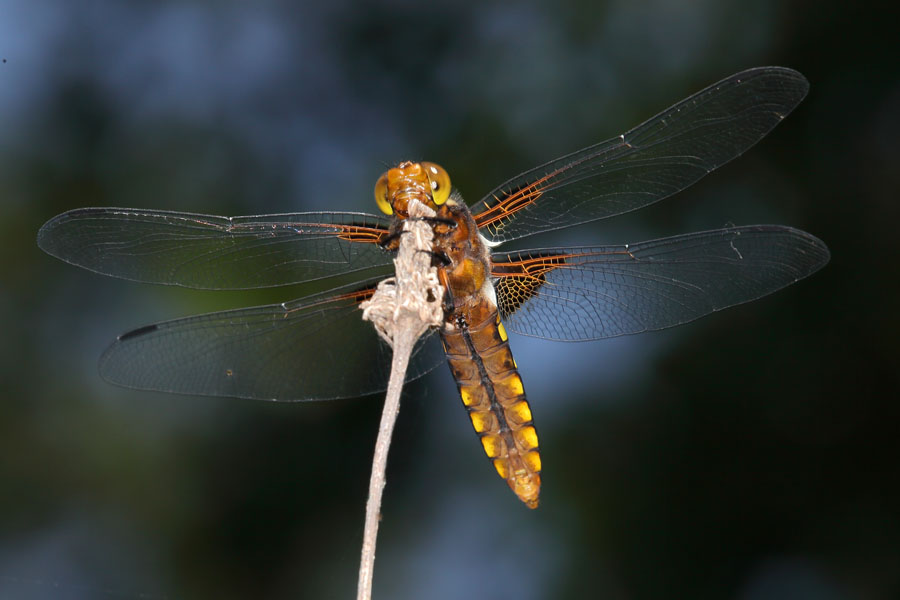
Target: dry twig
{"points": [[402, 309]]}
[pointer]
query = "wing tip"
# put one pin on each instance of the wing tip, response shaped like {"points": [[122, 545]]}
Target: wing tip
{"points": [[781, 74]]}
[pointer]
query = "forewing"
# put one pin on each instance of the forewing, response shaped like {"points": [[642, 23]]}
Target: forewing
{"points": [[652, 161], [217, 253], [316, 348], [592, 293]]}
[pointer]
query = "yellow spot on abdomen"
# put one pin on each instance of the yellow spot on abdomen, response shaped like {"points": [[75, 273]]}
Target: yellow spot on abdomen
{"points": [[533, 460], [493, 445], [482, 420], [466, 395], [502, 330], [513, 385], [526, 438], [502, 466], [519, 412]]}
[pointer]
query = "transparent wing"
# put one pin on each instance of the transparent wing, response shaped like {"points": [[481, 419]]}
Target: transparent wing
{"points": [[211, 252], [578, 294], [652, 161], [316, 348]]}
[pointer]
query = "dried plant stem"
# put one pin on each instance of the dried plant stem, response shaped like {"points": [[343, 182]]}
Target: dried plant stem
{"points": [[402, 309], [403, 344]]}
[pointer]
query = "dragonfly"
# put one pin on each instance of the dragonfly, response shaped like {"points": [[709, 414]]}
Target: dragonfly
{"points": [[318, 347]]}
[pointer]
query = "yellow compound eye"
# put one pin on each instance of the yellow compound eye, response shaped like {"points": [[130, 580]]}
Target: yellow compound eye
{"points": [[439, 180], [381, 198]]}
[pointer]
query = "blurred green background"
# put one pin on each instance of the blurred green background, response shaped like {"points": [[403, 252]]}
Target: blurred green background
{"points": [[750, 455]]}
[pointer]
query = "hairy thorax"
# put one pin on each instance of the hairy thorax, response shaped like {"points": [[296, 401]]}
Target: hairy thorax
{"points": [[465, 263]]}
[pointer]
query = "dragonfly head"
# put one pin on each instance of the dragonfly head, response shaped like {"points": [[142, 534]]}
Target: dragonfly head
{"points": [[426, 182]]}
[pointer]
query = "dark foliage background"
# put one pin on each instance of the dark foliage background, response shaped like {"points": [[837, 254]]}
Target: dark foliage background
{"points": [[750, 455]]}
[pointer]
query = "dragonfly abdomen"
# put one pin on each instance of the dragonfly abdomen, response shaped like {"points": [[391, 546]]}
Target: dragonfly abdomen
{"points": [[491, 390]]}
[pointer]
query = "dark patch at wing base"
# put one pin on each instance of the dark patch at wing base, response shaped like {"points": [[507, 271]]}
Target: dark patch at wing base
{"points": [[521, 276]]}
